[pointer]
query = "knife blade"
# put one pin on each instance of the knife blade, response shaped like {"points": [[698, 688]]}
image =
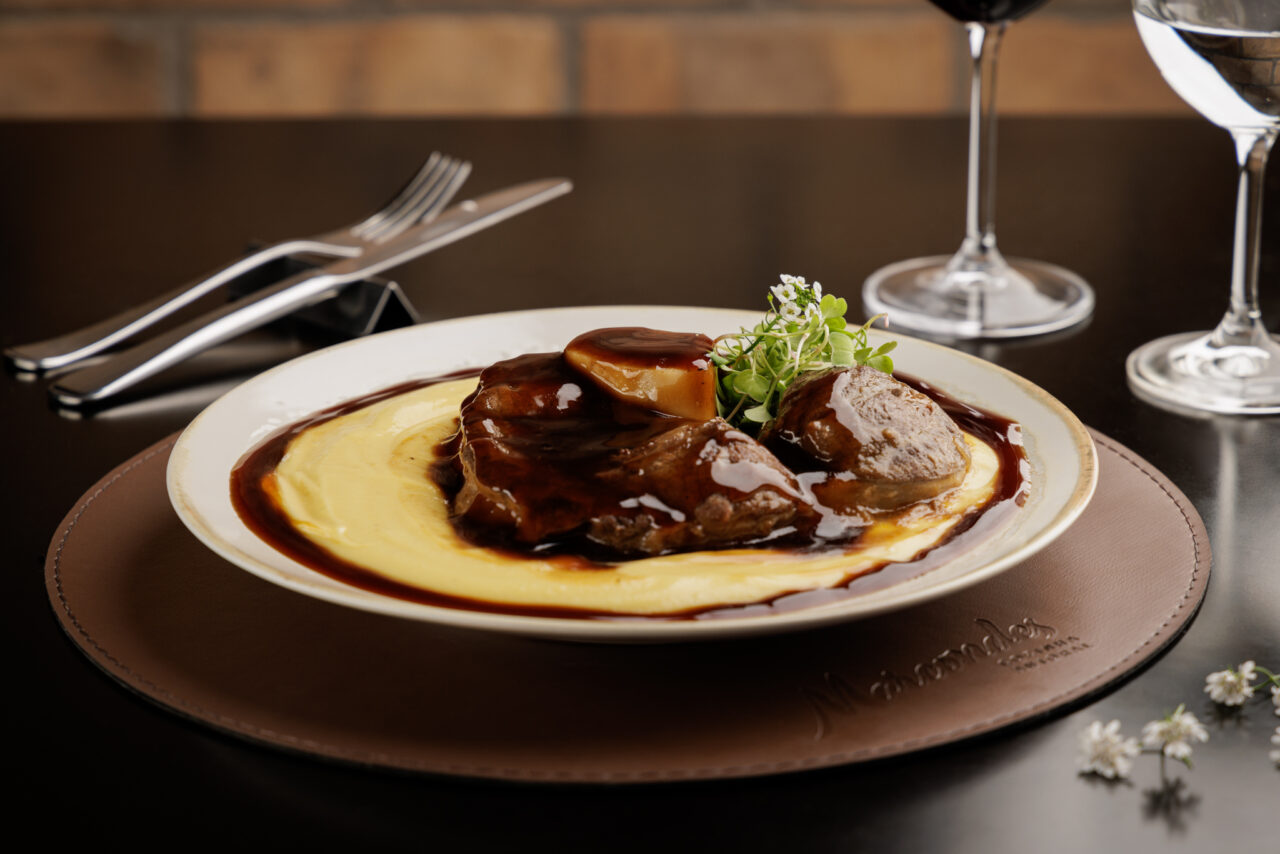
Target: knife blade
{"points": [[129, 367]]}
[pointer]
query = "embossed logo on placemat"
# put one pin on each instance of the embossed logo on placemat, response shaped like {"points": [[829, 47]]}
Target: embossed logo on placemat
{"points": [[840, 695]]}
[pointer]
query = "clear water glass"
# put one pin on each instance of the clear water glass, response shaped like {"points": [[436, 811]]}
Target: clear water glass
{"points": [[1223, 58]]}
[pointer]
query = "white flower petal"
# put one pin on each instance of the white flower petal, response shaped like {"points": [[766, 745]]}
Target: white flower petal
{"points": [[785, 293], [1173, 734], [1104, 752], [1229, 687]]}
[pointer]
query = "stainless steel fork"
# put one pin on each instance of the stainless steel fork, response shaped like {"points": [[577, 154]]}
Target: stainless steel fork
{"points": [[420, 200]]}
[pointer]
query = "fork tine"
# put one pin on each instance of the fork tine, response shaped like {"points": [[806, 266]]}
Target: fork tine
{"points": [[427, 204], [436, 199], [450, 188], [395, 221], [425, 174]]}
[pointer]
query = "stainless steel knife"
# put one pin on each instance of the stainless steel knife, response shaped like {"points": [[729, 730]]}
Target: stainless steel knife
{"points": [[128, 367]]}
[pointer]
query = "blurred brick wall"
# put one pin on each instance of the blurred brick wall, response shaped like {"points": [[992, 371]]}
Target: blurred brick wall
{"points": [[225, 58]]}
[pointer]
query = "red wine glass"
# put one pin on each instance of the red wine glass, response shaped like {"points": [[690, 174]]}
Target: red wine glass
{"points": [[977, 292]]}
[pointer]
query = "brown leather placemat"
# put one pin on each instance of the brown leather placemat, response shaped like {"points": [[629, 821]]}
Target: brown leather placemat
{"points": [[165, 616]]}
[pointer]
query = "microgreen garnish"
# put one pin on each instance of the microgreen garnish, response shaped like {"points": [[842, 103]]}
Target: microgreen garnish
{"points": [[802, 331]]}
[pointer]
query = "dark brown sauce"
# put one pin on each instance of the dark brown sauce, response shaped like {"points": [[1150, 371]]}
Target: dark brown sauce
{"points": [[255, 501], [645, 348]]}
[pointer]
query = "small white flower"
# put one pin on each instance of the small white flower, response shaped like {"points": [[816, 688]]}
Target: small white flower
{"points": [[1275, 754], [1103, 751], [1174, 733], [812, 310], [1230, 687], [791, 312], [785, 293], [817, 290]]}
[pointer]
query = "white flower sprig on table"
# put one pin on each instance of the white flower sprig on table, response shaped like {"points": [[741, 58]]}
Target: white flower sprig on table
{"points": [[1172, 735], [1235, 687], [1231, 687], [1105, 752]]}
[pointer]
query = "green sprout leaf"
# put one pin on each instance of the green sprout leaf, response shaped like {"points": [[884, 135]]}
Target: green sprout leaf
{"points": [[803, 330], [880, 363], [753, 386], [842, 351]]}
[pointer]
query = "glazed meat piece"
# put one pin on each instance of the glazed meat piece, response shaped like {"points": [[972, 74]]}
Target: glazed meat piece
{"points": [[698, 484], [881, 443], [536, 385], [524, 413], [531, 470]]}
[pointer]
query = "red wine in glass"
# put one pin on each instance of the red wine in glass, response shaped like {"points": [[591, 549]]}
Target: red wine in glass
{"points": [[987, 11]]}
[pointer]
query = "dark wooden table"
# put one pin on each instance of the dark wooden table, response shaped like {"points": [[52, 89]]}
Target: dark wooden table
{"points": [[98, 216]]}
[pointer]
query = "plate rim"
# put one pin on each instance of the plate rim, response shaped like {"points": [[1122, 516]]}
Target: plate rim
{"points": [[626, 631]]}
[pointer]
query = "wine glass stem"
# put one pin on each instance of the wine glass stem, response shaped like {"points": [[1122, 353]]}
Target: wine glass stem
{"points": [[980, 238], [1243, 321]]}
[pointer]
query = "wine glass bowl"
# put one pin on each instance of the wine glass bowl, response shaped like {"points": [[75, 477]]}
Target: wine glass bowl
{"points": [[978, 293], [987, 11], [1223, 58]]}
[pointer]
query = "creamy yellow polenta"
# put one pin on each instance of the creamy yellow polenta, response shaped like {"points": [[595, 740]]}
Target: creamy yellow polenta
{"points": [[358, 486]]}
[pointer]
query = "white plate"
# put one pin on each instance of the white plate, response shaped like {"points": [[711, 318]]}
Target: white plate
{"points": [[1060, 452]]}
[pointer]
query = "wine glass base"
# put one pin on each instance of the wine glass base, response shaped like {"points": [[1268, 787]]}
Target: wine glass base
{"points": [[1187, 372], [1023, 298]]}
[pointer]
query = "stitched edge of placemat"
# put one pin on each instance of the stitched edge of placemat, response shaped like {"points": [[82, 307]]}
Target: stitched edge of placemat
{"points": [[259, 735]]}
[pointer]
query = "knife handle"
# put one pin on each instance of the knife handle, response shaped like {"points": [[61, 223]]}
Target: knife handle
{"points": [[129, 367], [76, 346]]}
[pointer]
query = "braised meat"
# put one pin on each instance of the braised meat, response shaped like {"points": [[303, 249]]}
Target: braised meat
{"points": [[536, 385], [543, 455], [697, 484], [880, 443]]}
